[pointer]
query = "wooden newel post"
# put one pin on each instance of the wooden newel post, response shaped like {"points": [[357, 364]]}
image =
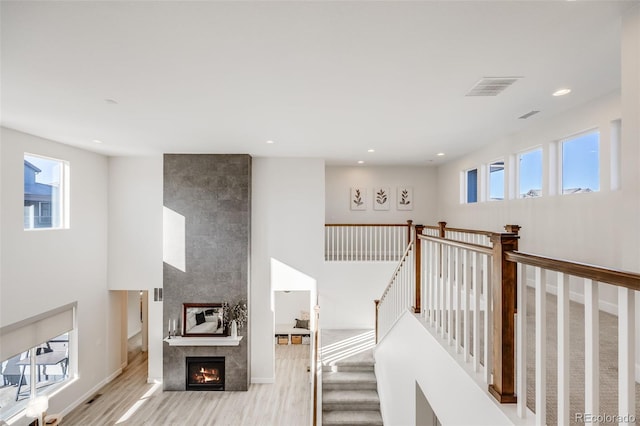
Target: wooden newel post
{"points": [[503, 287], [377, 302], [442, 226], [409, 224], [512, 229], [417, 308]]}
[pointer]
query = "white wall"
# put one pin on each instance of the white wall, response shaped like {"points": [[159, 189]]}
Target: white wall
{"points": [[348, 291], [288, 306], [631, 147], [409, 354], [135, 239], [71, 264], [134, 326], [599, 228], [340, 179], [287, 225]]}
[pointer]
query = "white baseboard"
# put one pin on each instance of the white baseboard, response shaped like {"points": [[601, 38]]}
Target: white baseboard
{"points": [[114, 375], [153, 380], [638, 373], [260, 380], [86, 396]]}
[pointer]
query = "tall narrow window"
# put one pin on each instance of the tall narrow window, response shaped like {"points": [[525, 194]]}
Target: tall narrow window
{"points": [[472, 186], [530, 174], [581, 163], [496, 180], [45, 192]]}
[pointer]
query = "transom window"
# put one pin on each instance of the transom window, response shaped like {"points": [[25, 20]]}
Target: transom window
{"points": [[530, 174], [45, 192], [581, 163], [496, 180]]}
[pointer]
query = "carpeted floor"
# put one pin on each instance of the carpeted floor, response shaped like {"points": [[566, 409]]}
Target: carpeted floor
{"points": [[608, 360]]}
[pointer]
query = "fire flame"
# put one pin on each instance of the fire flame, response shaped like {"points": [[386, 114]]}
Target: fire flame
{"points": [[207, 376]]}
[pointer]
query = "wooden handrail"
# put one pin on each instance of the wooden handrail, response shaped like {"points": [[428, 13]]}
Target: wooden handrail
{"points": [[364, 224], [395, 271], [611, 276], [454, 243]]}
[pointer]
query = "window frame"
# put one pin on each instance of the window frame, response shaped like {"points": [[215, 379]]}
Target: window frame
{"points": [[63, 197], [561, 157], [519, 193], [504, 179], [465, 194]]}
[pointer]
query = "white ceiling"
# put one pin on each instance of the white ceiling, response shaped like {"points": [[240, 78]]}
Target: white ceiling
{"points": [[320, 79]]}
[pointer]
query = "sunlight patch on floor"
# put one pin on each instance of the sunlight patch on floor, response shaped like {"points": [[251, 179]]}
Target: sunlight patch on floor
{"points": [[126, 416]]}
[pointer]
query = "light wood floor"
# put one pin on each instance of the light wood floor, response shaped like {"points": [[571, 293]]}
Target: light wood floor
{"points": [[129, 400]]}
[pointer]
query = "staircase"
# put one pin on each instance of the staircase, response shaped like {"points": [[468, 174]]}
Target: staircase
{"points": [[349, 389]]}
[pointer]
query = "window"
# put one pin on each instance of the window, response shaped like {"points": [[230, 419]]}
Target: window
{"points": [[530, 174], [36, 357], [45, 192], [496, 180], [472, 185], [49, 363], [581, 163]]}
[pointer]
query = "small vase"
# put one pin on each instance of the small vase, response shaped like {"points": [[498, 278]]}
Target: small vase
{"points": [[234, 329]]}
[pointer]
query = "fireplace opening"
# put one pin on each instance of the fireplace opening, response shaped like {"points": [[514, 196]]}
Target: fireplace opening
{"points": [[205, 373]]}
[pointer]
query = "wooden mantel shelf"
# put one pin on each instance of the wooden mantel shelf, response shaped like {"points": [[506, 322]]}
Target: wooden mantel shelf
{"points": [[204, 341]]}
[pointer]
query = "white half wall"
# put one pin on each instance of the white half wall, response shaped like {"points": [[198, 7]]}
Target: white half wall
{"points": [[287, 227], [340, 179], [135, 239], [409, 354], [43, 269], [348, 291]]}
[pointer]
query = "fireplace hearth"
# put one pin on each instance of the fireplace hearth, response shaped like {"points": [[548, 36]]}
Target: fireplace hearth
{"points": [[205, 373]]}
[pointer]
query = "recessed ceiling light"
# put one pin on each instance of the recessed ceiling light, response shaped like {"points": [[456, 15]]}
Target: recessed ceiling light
{"points": [[440, 154], [270, 142], [561, 92], [97, 141], [360, 161], [371, 150]]}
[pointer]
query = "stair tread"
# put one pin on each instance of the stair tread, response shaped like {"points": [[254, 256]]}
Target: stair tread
{"points": [[349, 377], [352, 417], [349, 396]]}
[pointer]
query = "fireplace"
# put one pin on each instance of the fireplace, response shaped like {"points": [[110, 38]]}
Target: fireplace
{"points": [[205, 373]]}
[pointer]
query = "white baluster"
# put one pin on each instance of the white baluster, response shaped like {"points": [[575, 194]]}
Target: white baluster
{"points": [[476, 310], [450, 284], [626, 354], [459, 274], [521, 341], [563, 349], [591, 348], [541, 351], [467, 316], [488, 320]]}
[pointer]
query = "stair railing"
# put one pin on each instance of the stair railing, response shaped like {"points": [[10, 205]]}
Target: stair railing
{"points": [[398, 296], [541, 271], [359, 242]]}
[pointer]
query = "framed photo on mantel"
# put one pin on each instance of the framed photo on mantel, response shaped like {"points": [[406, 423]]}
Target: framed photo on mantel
{"points": [[203, 319]]}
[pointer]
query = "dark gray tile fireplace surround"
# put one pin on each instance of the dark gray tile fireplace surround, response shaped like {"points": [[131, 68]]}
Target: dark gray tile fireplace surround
{"points": [[212, 192]]}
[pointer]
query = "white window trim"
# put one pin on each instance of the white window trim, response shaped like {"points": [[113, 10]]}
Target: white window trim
{"points": [[517, 170], [64, 208], [560, 158]]}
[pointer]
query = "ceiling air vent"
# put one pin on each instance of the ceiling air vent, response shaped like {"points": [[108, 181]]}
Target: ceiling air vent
{"points": [[491, 86], [529, 114]]}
